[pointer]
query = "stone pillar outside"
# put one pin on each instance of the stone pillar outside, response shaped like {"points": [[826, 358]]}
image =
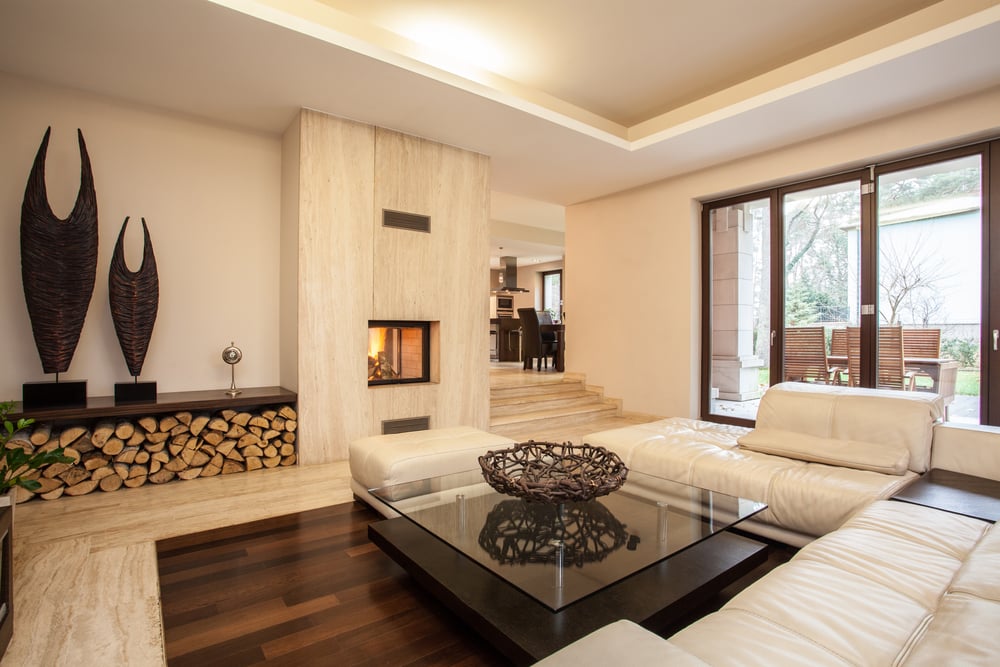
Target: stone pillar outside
{"points": [[734, 364]]}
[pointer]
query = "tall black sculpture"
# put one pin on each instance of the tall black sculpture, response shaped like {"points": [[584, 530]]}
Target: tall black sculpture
{"points": [[134, 298], [58, 268]]}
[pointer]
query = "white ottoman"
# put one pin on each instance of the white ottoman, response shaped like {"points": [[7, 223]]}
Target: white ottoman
{"points": [[381, 460]]}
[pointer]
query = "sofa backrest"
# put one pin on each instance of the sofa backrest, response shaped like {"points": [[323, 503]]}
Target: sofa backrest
{"points": [[878, 416]]}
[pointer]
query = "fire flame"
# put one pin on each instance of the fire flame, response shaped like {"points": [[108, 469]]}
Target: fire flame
{"points": [[376, 341]]}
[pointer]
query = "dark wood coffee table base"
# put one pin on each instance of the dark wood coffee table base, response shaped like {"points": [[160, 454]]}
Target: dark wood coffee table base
{"points": [[525, 630]]}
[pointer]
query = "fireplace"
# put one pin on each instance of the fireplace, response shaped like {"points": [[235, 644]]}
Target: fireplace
{"points": [[398, 352]]}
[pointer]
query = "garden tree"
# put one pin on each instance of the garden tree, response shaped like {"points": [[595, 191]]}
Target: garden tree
{"points": [[909, 277], [930, 187], [816, 270], [926, 307]]}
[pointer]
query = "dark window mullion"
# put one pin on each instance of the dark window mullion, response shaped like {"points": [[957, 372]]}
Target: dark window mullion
{"points": [[869, 281]]}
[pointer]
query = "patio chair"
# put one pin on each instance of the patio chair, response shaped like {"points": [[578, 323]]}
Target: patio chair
{"points": [[805, 356], [891, 370], [923, 343], [838, 343]]}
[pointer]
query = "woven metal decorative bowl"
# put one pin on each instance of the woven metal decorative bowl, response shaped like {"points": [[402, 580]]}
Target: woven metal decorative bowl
{"points": [[547, 472]]}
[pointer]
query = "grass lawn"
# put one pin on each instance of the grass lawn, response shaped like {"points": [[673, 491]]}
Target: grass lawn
{"points": [[967, 383]]}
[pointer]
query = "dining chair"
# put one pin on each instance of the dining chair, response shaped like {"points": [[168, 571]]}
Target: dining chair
{"points": [[805, 355], [532, 345], [545, 318]]}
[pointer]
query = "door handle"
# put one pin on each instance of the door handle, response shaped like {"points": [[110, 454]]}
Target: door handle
{"points": [[996, 335], [774, 334]]}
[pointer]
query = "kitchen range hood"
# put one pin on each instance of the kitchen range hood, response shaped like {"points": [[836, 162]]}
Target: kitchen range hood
{"points": [[508, 279]]}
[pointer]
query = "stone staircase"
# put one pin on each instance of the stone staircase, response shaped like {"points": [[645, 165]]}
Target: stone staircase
{"points": [[544, 407]]}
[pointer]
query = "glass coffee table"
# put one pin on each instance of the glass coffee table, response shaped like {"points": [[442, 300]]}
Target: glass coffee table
{"points": [[531, 577]]}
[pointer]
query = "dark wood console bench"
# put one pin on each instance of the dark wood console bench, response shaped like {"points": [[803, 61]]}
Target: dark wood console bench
{"points": [[212, 399], [955, 492]]}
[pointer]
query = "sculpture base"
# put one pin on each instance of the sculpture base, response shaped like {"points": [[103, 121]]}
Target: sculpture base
{"points": [[40, 395], [135, 392]]}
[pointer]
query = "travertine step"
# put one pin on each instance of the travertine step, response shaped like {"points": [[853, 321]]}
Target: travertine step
{"points": [[543, 402], [526, 406], [555, 386], [569, 415]]}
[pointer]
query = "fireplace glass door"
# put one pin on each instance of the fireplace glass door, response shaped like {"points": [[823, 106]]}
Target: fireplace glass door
{"points": [[398, 352]]}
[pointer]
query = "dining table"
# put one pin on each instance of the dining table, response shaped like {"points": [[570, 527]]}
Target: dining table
{"points": [[560, 334], [942, 371]]}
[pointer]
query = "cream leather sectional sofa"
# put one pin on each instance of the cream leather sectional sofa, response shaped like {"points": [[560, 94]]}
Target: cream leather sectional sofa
{"points": [[887, 583]]}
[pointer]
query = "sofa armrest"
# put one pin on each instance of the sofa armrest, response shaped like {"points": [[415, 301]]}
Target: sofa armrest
{"points": [[973, 450], [622, 643]]}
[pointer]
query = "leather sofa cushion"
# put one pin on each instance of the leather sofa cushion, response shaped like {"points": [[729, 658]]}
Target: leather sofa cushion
{"points": [[878, 416], [810, 499], [885, 589], [620, 643], [890, 458], [381, 460]]}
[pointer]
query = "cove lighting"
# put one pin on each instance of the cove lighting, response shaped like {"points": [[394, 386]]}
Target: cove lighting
{"points": [[455, 48]]}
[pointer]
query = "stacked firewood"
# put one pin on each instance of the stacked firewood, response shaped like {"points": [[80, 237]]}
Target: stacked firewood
{"points": [[111, 454]]}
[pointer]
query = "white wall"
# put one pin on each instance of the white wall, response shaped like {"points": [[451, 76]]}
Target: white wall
{"points": [[210, 195], [634, 292]]}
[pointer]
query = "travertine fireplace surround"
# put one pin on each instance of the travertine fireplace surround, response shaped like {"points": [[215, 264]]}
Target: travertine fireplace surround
{"points": [[338, 176]]}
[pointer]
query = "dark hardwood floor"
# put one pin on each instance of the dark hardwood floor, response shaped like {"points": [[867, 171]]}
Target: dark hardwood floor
{"points": [[304, 589], [310, 589]]}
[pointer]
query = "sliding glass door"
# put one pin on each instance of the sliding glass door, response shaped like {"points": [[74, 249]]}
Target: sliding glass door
{"points": [[875, 278], [930, 276], [821, 227]]}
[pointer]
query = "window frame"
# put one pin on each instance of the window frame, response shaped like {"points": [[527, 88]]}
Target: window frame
{"points": [[868, 178], [551, 272]]}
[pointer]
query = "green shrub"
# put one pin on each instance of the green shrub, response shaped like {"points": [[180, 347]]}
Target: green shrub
{"points": [[963, 350]]}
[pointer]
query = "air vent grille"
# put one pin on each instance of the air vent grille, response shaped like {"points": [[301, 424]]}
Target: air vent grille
{"points": [[410, 221], [390, 426]]}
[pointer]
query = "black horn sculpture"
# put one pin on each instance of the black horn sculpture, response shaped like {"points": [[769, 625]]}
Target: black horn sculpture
{"points": [[58, 262], [134, 297]]}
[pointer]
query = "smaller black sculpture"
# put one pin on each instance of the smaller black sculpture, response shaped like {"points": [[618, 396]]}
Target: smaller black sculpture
{"points": [[134, 297]]}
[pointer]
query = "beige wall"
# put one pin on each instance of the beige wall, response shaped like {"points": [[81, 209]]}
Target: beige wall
{"points": [[633, 259], [351, 270], [210, 195]]}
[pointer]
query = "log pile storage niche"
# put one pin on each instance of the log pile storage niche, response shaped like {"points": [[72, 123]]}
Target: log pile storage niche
{"points": [[181, 436]]}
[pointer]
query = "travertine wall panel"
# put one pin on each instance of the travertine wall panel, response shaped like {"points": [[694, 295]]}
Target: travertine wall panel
{"points": [[351, 270], [438, 276], [334, 191]]}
